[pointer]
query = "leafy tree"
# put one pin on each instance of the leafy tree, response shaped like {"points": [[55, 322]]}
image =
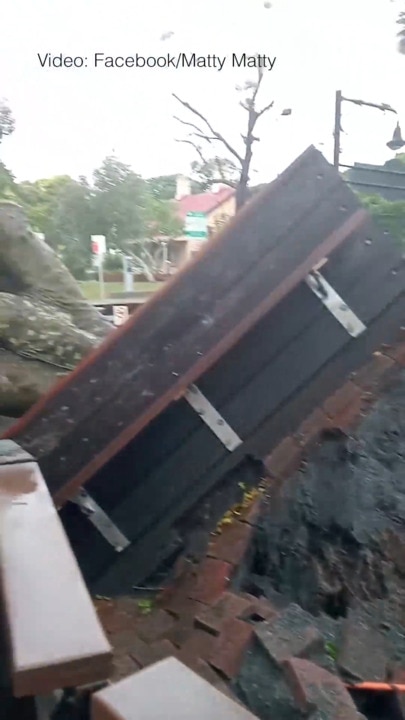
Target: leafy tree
{"points": [[215, 170], [61, 208], [390, 215], [7, 122], [161, 224], [7, 183], [40, 199], [162, 187], [7, 126], [119, 202], [397, 163], [161, 219], [401, 33]]}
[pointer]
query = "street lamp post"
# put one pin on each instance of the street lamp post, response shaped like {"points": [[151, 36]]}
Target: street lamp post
{"points": [[338, 128]]}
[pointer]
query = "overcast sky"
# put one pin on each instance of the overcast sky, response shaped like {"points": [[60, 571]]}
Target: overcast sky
{"points": [[68, 120]]}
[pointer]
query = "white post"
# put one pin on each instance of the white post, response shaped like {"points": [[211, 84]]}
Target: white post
{"points": [[165, 257], [98, 246], [128, 278]]}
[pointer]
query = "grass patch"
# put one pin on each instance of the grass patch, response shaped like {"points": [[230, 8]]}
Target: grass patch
{"points": [[91, 288], [331, 650], [145, 606]]}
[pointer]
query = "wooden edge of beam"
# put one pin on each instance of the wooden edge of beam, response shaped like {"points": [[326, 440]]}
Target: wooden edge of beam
{"points": [[54, 635]]}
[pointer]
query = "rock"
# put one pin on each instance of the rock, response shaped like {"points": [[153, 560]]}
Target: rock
{"points": [[364, 651], [46, 324], [291, 633]]}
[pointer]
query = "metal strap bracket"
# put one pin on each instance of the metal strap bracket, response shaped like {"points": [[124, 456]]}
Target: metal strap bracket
{"points": [[101, 521], [212, 418], [334, 303]]}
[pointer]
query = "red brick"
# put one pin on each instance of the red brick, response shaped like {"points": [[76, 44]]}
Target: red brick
{"points": [[181, 606], [141, 652], [251, 514], [124, 665], [261, 609], [310, 429], [397, 353], [352, 414], [230, 647], [202, 668], [228, 606], [182, 584], [155, 626], [122, 640], [199, 644], [181, 631], [314, 689], [369, 377], [232, 544], [212, 580], [339, 401], [285, 459], [113, 618], [163, 649]]}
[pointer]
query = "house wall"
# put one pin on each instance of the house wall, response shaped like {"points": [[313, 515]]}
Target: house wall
{"points": [[222, 214], [181, 251]]}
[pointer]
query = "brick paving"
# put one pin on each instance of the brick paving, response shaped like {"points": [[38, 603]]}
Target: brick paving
{"points": [[201, 621]]}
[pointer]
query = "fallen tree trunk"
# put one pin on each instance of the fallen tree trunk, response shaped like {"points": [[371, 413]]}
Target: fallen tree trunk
{"points": [[46, 324]]}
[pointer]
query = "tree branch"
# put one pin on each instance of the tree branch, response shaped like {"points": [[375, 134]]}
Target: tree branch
{"points": [[216, 134], [189, 124], [196, 148], [265, 109]]}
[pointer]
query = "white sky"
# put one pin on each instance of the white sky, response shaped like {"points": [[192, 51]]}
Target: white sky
{"points": [[68, 120]]}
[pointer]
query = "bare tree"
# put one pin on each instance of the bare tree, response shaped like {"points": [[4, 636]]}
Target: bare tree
{"points": [[202, 133]]}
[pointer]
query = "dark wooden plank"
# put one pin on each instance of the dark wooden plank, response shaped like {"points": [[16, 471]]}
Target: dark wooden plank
{"points": [[364, 249], [90, 441], [178, 422], [259, 398], [134, 565], [155, 494], [151, 448], [163, 373], [296, 312], [291, 370], [291, 367]]}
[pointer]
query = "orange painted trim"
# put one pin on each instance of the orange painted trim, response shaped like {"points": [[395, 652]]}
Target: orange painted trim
{"points": [[377, 687]]}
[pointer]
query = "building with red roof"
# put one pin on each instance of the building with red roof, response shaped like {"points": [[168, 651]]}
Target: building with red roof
{"points": [[218, 206]]}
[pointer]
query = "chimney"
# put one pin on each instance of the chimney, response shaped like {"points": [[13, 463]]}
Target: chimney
{"points": [[217, 187], [183, 187]]}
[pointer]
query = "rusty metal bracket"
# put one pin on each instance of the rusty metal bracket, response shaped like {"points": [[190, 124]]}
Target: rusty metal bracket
{"points": [[212, 418], [335, 304]]}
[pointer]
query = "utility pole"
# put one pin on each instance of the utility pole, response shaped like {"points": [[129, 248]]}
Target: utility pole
{"points": [[336, 134], [339, 99]]}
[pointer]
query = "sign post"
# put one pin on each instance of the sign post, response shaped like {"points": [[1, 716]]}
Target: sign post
{"points": [[98, 247], [196, 226], [120, 314]]}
